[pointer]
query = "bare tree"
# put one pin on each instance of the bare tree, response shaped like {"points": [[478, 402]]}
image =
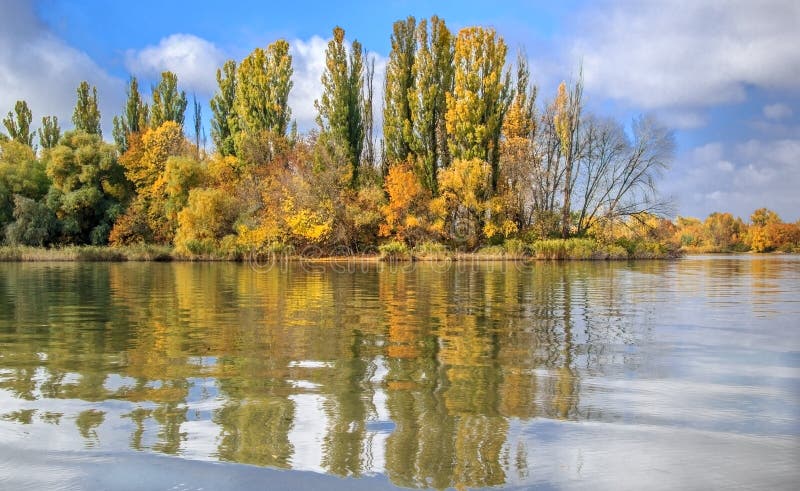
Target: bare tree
{"points": [[617, 174]]}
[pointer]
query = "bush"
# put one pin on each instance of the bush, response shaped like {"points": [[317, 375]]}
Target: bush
{"points": [[394, 250], [35, 224]]}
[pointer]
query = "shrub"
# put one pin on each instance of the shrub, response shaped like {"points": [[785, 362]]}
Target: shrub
{"points": [[394, 250]]}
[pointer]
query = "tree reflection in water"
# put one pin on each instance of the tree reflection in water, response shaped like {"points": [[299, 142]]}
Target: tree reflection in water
{"points": [[447, 355]]}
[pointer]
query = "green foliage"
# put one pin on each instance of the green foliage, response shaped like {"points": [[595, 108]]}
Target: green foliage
{"points": [[88, 187], [49, 133], [341, 105], [168, 103], [262, 89], [18, 124], [434, 77], [34, 223], [86, 115], [134, 119], [398, 86], [20, 174], [224, 123], [394, 250]]}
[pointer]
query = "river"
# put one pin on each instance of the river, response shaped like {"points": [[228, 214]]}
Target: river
{"points": [[578, 375]]}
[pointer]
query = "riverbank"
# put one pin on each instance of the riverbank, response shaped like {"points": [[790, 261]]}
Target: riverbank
{"points": [[553, 249]]}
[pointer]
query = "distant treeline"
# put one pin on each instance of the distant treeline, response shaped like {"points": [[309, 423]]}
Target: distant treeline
{"points": [[468, 157]]}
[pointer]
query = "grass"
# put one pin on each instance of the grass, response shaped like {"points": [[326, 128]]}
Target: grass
{"points": [[86, 253], [431, 251], [590, 249]]}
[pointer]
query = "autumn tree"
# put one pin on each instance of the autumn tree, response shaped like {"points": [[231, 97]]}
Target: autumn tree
{"points": [[223, 120], [517, 162], [433, 75], [399, 83], [49, 133], [262, 88], [86, 115], [134, 119], [168, 103], [18, 124], [464, 192], [149, 217], [405, 213], [340, 106], [566, 121], [480, 97]]}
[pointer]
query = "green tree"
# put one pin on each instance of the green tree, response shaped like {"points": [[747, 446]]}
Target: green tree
{"points": [[480, 97], [168, 103], [18, 124], [34, 223], [133, 120], [89, 187], [433, 72], [49, 133], [21, 173], [264, 80], [340, 107], [86, 115], [398, 85], [223, 121]]}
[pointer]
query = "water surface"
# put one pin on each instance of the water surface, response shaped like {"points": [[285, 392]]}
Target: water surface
{"points": [[681, 374]]}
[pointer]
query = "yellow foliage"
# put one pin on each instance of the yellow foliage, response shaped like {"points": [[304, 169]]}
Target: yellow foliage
{"points": [[305, 223], [407, 198]]}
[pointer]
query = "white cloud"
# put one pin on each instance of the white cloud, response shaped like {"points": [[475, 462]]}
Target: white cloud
{"points": [[738, 178], [308, 61], [688, 53], [194, 60], [43, 70], [777, 111]]}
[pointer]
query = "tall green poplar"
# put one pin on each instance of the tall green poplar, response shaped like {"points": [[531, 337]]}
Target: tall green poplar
{"points": [[168, 103], [86, 115], [262, 89], [433, 73], [18, 124], [224, 124], [398, 85], [340, 107]]}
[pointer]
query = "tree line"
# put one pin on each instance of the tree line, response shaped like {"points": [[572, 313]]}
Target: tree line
{"points": [[468, 156]]}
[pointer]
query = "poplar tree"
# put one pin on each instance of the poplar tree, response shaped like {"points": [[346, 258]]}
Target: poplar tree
{"points": [[340, 107], [223, 121], [480, 97], [18, 124], [398, 85], [133, 119], [433, 73], [198, 124], [86, 115], [49, 133], [262, 89], [168, 103]]}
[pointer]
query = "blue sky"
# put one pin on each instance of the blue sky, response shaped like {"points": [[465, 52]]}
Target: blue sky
{"points": [[725, 75]]}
